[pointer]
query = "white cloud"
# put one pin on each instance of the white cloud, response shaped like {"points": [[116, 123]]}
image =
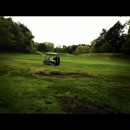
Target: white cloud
{"points": [[64, 30]]}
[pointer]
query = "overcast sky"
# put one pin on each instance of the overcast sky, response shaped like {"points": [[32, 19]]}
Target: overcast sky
{"points": [[67, 30]]}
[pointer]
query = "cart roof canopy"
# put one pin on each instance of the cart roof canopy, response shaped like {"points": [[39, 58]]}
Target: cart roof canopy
{"points": [[51, 53]]}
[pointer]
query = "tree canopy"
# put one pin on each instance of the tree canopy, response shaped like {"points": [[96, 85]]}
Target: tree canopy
{"points": [[14, 37]]}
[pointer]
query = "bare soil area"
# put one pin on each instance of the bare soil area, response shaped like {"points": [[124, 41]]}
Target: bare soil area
{"points": [[76, 106], [63, 74]]}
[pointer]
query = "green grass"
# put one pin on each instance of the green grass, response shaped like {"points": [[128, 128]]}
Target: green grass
{"points": [[106, 89]]}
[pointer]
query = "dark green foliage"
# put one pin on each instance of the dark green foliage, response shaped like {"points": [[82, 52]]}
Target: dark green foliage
{"points": [[42, 47], [106, 48], [126, 45], [14, 37], [6, 37], [64, 49], [114, 36], [58, 49], [71, 49], [92, 46], [50, 46], [100, 40]]}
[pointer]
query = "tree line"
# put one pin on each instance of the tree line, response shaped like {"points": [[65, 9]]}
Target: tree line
{"points": [[113, 40], [16, 37]]}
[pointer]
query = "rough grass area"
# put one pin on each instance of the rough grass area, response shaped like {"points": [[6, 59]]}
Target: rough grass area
{"points": [[82, 84]]}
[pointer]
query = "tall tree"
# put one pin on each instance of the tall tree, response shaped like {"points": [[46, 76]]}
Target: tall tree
{"points": [[73, 48], [106, 48], [18, 37], [100, 40], [50, 46], [35, 45], [42, 47], [6, 37], [115, 36], [28, 37], [92, 46], [64, 49], [126, 45], [58, 49]]}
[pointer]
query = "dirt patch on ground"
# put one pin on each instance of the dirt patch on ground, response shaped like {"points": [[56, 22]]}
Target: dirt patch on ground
{"points": [[63, 74], [76, 106]]}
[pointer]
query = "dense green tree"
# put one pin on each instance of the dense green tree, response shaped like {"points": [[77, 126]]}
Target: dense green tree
{"points": [[58, 49], [73, 48], [18, 37], [92, 46], [68, 49], [14, 36], [100, 40], [50, 46], [35, 45], [64, 49], [6, 37], [28, 37], [106, 48], [42, 47], [126, 45], [115, 36]]}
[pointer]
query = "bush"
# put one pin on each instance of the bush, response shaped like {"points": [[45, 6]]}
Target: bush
{"points": [[106, 48]]}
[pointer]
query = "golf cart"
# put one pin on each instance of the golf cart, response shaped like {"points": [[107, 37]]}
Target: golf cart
{"points": [[51, 58]]}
